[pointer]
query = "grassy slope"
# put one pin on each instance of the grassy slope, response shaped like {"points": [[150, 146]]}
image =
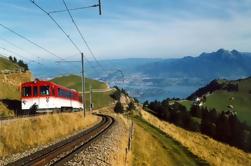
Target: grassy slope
{"points": [[10, 84], [5, 64], [74, 82], [150, 141], [242, 100], [220, 99], [214, 152], [186, 103], [48, 128]]}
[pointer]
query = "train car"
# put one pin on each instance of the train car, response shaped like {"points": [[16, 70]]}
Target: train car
{"points": [[46, 96]]}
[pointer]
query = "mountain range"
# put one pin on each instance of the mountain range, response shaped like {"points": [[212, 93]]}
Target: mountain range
{"points": [[150, 79], [220, 64]]}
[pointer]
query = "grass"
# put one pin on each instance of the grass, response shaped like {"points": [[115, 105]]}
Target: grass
{"points": [[5, 64], [23, 134], [10, 89], [100, 99], [4, 111], [153, 147], [214, 152], [10, 84], [221, 99], [186, 103], [241, 100], [74, 82]]}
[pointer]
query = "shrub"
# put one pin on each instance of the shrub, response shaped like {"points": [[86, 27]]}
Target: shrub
{"points": [[131, 106], [118, 108]]}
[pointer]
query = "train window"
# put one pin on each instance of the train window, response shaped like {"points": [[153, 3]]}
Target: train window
{"points": [[26, 91], [44, 90], [64, 93], [35, 91]]}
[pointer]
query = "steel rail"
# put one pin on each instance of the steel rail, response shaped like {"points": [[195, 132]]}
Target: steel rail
{"points": [[63, 151]]}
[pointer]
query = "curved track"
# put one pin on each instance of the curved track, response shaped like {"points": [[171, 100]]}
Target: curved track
{"points": [[64, 151]]}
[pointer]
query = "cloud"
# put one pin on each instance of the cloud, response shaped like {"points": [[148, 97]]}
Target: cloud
{"points": [[183, 27]]}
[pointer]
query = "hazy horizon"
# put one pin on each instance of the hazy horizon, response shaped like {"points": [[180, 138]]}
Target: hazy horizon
{"points": [[145, 29]]}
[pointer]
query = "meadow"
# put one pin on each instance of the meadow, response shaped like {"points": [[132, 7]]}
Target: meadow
{"points": [[206, 148], [151, 146], [23, 134]]}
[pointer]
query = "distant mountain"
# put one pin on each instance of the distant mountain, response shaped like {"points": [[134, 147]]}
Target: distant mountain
{"points": [[219, 64]]}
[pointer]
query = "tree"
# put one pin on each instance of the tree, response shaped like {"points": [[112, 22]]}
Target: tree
{"points": [[195, 111], [118, 108], [145, 104], [164, 113], [136, 100], [10, 58], [131, 106], [194, 125], [14, 60], [223, 129], [116, 95], [26, 67]]}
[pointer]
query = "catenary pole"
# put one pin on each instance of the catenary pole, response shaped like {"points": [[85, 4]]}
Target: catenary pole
{"points": [[90, 97], [83, 82]]}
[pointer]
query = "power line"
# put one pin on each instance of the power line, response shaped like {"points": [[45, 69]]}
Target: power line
{"points": [[78, 8], [58, 25], [30, 41], [81, 35], [64, 32], [14, 45], [19, 55], [13, 52]]}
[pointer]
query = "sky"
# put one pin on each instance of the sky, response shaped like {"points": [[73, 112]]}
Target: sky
{"points": [[127, 28]]}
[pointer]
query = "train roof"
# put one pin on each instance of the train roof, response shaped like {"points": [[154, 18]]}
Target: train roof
{"points": [[42, 82]]}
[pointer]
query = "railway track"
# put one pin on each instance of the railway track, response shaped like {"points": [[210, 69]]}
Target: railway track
{"points": [[60, 153]]}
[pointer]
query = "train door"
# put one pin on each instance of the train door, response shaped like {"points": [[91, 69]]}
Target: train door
{"points": [[45, 97], [35, 96]]}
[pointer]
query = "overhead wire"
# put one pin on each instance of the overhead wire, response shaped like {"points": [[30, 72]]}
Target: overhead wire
{"points": [[12, 44], [13, 52], [64, 32], [78, 8], [81, 35], [19, 48], [69, 38], [30, 41], [58, 25], [86, 43]]}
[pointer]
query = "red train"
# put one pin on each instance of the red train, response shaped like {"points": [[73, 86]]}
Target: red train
{"points": [[46, 96]]}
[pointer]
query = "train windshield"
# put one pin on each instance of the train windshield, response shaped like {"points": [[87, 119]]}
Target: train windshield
{"points": [[26, 91], [44, 90]]}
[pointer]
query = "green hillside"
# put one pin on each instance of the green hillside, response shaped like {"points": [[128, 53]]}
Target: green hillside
{"points": [[5, 64], [240, 100], [100, 99], [74, 82], [220, 99], [10, 85], [149, 140]]}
